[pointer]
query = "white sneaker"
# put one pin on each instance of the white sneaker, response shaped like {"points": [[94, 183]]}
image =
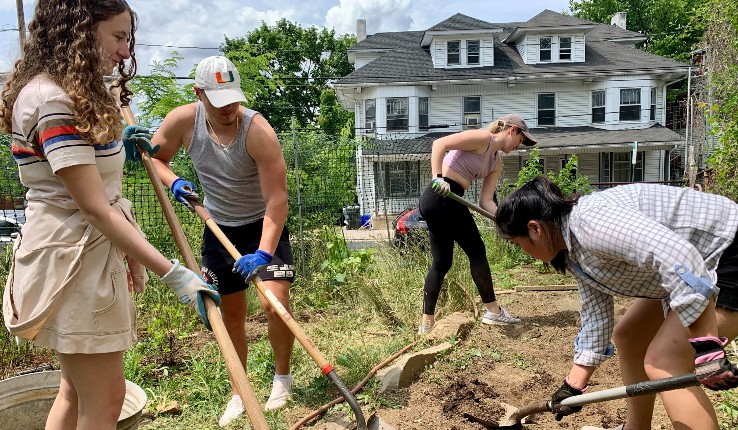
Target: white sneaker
{"points": [[281, 392], [503, 318], [426, 324], [233, 410]]}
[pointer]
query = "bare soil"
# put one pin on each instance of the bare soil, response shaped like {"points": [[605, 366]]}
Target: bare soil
{"points": [[518, 365]]}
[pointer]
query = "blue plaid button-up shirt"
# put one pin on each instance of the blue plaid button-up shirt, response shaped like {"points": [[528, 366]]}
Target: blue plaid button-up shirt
{"points": [[644, 240]]}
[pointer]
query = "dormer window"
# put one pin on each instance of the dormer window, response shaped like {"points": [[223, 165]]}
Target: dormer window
{"points": [[544, 53], [564, 48], [453, 52], [472, 52]]}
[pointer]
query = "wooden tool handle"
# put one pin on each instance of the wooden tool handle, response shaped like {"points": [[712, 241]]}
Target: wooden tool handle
{"points": [[232, 361]]}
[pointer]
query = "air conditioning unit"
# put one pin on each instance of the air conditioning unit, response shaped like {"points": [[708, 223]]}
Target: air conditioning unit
{"points": [[369, 126], [472, 122]]}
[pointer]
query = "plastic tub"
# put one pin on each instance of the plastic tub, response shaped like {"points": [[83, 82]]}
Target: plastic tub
{"points": [[366, 221], [25, 401]]}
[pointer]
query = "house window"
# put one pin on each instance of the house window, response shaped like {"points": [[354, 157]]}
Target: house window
{"points": [[397, 114], [565, 48], [653, 104], [423, 113], [401, 178], [370, 115], [453, 56], [598, 106], [544, 53], [547, 109], [630, 104], [472, 116], [618, 167], [472, 52]]}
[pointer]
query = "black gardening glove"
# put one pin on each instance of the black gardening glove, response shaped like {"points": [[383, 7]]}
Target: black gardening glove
{"points": [[565, 391], [712, 366]]}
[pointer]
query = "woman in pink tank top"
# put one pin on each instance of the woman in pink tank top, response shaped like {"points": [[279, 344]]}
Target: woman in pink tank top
{"points": [[456, 160]]}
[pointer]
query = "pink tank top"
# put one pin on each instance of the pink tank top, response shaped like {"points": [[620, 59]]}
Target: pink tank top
{"points": [[472, 166]]}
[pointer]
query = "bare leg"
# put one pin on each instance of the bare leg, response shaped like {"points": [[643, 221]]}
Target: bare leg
{"points": [[670, 354], [280, 336], [91, 393], [233, 310], [632, 336]]}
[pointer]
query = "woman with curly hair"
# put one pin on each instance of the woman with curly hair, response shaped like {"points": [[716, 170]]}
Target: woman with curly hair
{"points": [[68, 287]]}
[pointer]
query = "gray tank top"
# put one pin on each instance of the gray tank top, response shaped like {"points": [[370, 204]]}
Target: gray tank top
{"points": [[228, 177]]}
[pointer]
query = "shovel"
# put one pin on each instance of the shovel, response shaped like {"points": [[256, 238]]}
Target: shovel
{"points": [[513, 418], [375, 423]]}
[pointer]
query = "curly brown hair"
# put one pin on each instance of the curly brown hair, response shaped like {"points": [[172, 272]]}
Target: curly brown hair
{"points": [[63, 44]]}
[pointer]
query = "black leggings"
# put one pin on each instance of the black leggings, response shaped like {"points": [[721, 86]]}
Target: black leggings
{"points": [[449, 222]]}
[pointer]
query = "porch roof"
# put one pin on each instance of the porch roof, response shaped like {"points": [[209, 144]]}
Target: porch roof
{"points": [[550, 140]]}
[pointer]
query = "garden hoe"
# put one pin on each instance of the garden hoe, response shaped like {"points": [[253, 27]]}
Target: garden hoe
{"points": [[375, 423], [470, 205], [514, 417], [235, 368]]}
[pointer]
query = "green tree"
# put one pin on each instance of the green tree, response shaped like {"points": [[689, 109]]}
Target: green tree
{"points": [[673, 27], [333, 118], [721, 39], [302, 63]]}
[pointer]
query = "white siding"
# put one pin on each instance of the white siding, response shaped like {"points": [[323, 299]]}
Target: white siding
{"points": [[364, 59], [487, 52], [589, 166], [653, 166], [578, 45], [571, 107]]}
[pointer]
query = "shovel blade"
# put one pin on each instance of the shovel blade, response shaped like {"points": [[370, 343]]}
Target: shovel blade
{"points": [[376, 423]]}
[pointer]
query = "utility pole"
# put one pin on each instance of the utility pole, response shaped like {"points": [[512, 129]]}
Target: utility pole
{"points": [[21, 25]]}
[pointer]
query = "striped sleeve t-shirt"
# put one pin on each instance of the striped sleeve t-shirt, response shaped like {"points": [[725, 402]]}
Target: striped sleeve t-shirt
{"points": [[46, 139]]}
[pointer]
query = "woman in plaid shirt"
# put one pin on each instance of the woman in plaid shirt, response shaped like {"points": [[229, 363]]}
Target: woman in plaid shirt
{"points": [[670, 248]]}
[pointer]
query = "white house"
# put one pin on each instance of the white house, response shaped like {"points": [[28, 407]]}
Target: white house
{"points": [[582, 87]]}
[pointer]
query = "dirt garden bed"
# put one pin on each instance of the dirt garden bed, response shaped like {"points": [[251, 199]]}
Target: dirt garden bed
{"points": [[518, 365]]}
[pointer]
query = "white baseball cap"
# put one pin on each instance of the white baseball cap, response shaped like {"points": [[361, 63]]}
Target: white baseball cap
{"points": [[219, 78]]}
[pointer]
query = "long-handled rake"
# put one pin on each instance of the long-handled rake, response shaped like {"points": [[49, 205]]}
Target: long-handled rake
{"points": [[375, 423], [233, 363]]}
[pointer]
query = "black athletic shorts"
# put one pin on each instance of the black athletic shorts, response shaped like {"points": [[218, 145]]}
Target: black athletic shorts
{"points": [[727, 277], [217, 263]]}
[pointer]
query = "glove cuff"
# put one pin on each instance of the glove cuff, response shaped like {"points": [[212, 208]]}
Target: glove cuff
{"points": [[568, 384], [174, 184], [722, 341], [265, 255], [172, 273]]}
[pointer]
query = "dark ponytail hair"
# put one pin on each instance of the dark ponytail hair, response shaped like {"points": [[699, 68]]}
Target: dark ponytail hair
{"points": [[537, 200]]}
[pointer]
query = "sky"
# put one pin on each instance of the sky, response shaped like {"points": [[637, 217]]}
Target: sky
{"points": [[194, 27]]}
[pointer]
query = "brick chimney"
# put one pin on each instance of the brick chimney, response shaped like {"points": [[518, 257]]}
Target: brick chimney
{"points": [[360, 30], [619, 19]]}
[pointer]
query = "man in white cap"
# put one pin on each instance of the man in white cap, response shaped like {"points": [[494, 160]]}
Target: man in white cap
{"points": [[239, 162]]}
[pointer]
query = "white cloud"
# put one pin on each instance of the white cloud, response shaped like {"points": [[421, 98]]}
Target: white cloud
{"points": [[380, 15]]}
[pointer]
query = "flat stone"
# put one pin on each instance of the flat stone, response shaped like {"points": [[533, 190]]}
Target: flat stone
{"points": [[408, 367], [456, 325]]}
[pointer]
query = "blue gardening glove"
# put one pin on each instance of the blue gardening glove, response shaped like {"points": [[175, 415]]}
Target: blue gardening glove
{"points": [[189, 288], [250, 265], [135, 137], [712, 366], [441, 187], [564, 391], [181, 189]]}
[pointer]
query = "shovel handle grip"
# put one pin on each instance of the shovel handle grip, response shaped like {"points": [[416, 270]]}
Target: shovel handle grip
{"points": [[470, 205], [633, 390]]}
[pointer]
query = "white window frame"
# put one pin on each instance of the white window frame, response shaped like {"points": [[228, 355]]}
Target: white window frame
{"points": [[470, 114], [603, 106], [478, 52], [370, 122], [565, 51], [629, 104], [423, 101], [539, 110], [457, 52], [398, 108], [549, 49]]}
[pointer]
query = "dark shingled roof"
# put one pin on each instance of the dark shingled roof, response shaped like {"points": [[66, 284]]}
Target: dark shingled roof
{"points": [[548, 138], [463, 22], [406, 61]]}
